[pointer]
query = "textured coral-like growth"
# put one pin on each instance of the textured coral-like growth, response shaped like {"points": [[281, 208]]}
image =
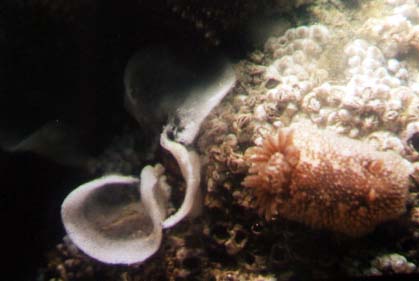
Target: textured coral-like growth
{"points": [[325, 180], [270, 172]]}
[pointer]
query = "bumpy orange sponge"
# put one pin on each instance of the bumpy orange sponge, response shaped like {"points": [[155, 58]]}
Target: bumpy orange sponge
{"points": [[325, 180]]}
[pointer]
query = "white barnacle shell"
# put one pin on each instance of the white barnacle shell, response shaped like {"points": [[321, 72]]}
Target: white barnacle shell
{"points": [[335, 96], [402, 74], [411, 129], [370, 63], [296, 71], [408, 10], [323, 115], [375, 105], [344, 115], [290, 34], [302, 32], [118, 219], [354, 61], [374, 53], [272, 73], [412, 109], [393, 65], [308, 46], [356, 48], [353, 133], [390, 115], [380, 72], [394, 104], [290, 109], [352, 101], [283, 63], [390, 81], [320, 33], [299, 57], [384, 141], [239, 101], [259, 112], [311, 103], [370, 122]]}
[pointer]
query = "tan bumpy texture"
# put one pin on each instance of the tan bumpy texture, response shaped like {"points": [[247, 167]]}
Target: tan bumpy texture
{"points": [[319, 178]]}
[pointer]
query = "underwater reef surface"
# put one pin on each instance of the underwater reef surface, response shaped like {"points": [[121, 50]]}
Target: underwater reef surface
{"points": [[349, 69]]}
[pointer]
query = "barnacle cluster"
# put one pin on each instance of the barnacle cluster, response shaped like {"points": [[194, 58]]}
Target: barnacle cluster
{"points": [[394, 263], [364, 94], [397, 32]]}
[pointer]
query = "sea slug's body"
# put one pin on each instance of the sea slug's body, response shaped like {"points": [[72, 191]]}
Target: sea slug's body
{"points": [[325, 180]]}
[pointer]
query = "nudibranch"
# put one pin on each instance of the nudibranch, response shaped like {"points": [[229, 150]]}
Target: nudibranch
{"points": [[327, 181]]}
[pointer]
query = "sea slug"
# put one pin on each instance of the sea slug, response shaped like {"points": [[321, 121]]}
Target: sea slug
{"points": [[327, 181]]}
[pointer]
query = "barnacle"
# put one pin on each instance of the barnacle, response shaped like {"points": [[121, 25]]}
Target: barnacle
{"points": [[327, 181]]}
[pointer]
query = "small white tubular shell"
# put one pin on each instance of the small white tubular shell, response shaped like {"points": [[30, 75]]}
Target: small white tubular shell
{"points": [[107, 221], [190, 168]]}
